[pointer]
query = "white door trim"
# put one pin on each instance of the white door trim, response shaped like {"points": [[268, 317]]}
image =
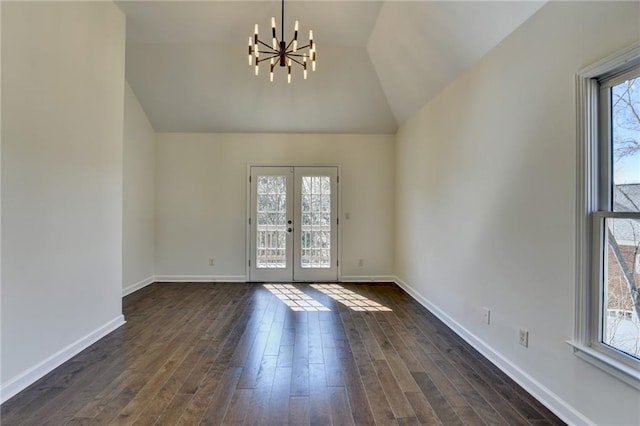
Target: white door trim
{"points": [[248, 209]]}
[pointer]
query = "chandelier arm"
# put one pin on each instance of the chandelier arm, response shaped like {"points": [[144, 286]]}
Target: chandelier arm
{"points": [[304, 47], [295, 60], [289, 45], [267, 46], [296, 55], [267, 58]]}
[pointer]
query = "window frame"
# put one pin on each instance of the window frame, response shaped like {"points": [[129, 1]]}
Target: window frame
{"points": [[593, 200]]}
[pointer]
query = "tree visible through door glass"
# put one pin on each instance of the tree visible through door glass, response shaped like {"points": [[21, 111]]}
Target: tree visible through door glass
{"points": [[271, 226], [316, 222]]}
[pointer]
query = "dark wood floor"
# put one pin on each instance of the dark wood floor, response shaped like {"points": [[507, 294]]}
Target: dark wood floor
{"points": [[230, 353]]}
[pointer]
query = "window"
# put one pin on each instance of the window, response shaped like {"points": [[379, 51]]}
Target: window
{"points": [[608, 246], [617, 238]]}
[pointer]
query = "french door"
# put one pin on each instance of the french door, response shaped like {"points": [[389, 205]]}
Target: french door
{"points": [[293, 224]]}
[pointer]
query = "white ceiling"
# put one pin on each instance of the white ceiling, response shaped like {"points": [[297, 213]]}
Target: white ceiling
{"points": [[377, 62]]}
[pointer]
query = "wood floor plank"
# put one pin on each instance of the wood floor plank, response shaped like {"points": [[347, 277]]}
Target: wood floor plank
{"points": [[505, 410], [163, 398], [408, 421], [299, 410], [273, 341], [441, 406], [400, 371], [378, 405], [469, 416], [238, 407], [339, 402], [333, 367], [258, 408], [233, 353], [259, 315], [524, 403], [300, 366], [397, 341], [196, 407], [360, 407], [319, 408], [140, 401], [316, 355], [399, 404], [467, 390], [221, 399], [440, 379], [285, 356], [377, 332], [424, 412], [174, 409], [64, 407], [300, 378], [368, 338], [253, 362], [279, 401]]}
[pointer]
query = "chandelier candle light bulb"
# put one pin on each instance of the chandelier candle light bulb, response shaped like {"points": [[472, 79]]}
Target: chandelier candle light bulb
{"points": [[280, 52], [304, 72], [273, 33], [273, 64], [313, 58]]}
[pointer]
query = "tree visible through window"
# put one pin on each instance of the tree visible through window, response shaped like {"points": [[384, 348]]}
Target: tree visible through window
{"points": [[621, 310]]}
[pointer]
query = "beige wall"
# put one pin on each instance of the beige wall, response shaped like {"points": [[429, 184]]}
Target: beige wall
{"points": [[138, 220], [201, 198], [62, 126], [485, 211]]}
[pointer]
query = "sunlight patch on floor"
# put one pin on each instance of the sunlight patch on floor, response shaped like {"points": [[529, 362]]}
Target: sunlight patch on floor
{"points": [[295, 299], [349, 298]]}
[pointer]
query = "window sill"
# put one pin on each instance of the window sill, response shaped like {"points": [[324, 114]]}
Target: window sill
{"points": [[623, 372]]}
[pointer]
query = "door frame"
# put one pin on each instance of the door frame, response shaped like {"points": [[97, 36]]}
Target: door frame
{"points": [[247, 208]]}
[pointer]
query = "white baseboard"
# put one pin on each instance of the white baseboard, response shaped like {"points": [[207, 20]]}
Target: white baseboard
{"points": [[199, 278], [137, 286], [552, 401], [23, 380], [368, 278], [242, 279]]}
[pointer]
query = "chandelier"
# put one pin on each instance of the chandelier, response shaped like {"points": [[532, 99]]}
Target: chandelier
{"points": [[281, 53]]}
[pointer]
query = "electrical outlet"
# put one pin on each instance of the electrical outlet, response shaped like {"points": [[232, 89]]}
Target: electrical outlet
{"points": [[360, 262], [524, 338], [486, 314], [212, 262]]}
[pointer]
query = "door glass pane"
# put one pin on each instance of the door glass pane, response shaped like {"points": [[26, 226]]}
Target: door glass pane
{"points": [[271, 222], [620, 322], [315, 237], [625, 137]]}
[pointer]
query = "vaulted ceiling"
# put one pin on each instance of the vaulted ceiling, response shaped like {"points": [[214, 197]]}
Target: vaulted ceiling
{"points": [[378, 62]]}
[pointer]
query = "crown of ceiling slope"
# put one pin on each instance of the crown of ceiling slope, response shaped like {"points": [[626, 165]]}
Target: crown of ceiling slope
{"points": [[281, 53]]}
